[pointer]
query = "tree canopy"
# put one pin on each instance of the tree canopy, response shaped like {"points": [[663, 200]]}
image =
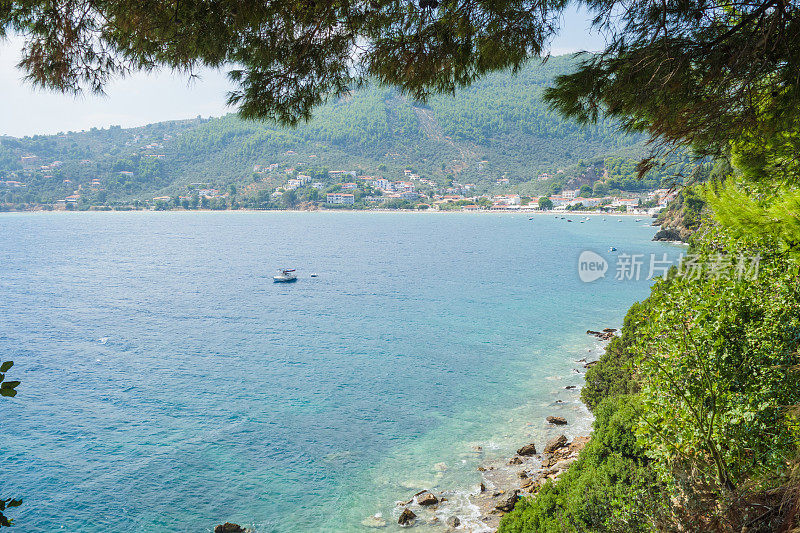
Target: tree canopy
{"points": [[686, 72]]}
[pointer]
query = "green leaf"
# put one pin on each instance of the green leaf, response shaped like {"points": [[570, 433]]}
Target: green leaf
{"points": [[9, 384], [10, 393], [5, 366]]}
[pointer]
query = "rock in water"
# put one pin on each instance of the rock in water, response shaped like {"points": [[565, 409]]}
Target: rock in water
{"points": [[229, 527], [453, 521], [516, 460], [507, 504], [427, 498], [557, 420], [528, 449], [555, 443], [374, 521], [406, 517]]}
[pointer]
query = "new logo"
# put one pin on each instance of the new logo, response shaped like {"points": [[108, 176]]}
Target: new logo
{"points": [[591, 266]]}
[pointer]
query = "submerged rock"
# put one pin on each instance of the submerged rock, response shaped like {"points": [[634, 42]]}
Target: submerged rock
{"points": [[229, 527], [406, 517], [557, 420], [374, 521], [453, 521], [555, 443], [516, 460], [528, 449]]}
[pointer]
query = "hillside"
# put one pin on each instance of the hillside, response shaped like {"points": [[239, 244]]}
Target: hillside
{"points": [[498, 128]]}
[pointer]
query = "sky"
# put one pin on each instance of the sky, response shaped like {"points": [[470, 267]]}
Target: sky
{"points": [[146, 98]]}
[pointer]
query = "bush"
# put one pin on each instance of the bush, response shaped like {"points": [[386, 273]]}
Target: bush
{"points": [[611, 486], [613, 374]]}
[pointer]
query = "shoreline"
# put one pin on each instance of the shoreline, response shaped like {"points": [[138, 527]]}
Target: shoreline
{"points": [[504, 479], [407, 211]]}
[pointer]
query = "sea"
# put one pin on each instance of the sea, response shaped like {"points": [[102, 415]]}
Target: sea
{"points": [[167, 384]]}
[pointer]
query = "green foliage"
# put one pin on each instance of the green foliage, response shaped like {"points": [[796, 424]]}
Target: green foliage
{"points": [[8, 389], [610, 488], [767, 213], [545, 203], [717, 356], [614, 374]]}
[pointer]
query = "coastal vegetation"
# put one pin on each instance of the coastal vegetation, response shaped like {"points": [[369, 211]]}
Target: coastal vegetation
{"points": [[696, 403], [8, 389], [702, 387]]}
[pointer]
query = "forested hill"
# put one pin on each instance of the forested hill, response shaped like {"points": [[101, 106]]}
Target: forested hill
{"points": [[498, 128]]}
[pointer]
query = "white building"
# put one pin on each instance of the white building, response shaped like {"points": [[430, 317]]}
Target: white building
{"points": [[402, 186], [570, 194], [507, 200], [340, 198]]}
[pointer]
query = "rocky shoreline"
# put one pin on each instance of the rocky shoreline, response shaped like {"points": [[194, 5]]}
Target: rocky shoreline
{"points": [[503, 481]]}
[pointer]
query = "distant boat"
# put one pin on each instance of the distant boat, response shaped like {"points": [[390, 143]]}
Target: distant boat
{"points": [[285, 275], [314, 275], [638, 220], [530, 218], [568, 220], [612, 249]]}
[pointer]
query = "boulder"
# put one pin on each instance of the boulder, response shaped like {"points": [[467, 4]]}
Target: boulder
{"points": [[427, 498], [406, 517], [483, 487], [557, 420], [229, 527], [516, 460], [453, 521], [507, 504], [609, 330], [569, 387], [555, 443], [528, 449]]}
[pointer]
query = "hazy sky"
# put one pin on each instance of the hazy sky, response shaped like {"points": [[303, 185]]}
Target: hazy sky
{"points": [[143, 99]]}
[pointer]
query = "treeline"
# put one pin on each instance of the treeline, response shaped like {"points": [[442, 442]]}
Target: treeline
{"points": [[498, 128]]}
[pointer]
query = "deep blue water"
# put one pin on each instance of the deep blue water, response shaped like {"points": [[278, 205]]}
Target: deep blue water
{"points": [[169, 385]]}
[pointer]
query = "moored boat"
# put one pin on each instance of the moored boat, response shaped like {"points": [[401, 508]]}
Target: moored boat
{"points": [[285, 275]]}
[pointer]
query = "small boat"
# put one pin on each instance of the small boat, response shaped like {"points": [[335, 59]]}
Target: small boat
{"points": [[530, 218], [612, 249], [638, 220], [285, 275], [314, 275]]}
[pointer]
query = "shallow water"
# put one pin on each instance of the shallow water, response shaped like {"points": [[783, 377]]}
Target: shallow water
{"points": [[168, 384]]}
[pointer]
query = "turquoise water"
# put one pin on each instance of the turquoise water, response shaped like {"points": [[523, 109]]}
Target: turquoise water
{"points": [[169, 385]]}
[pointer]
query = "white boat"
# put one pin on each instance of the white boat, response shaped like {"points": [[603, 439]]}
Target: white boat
{"points": [[285, 275]]}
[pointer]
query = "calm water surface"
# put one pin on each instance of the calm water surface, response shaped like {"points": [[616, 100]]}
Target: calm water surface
{"points": [[169, 385]]}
